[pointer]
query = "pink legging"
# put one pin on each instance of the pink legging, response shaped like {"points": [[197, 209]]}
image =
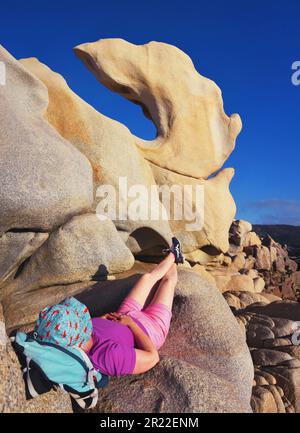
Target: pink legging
{"points": [[155, 318]]}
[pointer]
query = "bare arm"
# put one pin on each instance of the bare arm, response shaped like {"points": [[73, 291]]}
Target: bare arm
{"points": [[146, 353]]}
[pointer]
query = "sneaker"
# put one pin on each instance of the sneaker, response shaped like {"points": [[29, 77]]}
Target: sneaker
{"points": [[176, 250]]}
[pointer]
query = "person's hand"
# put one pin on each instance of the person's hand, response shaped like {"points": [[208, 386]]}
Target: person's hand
{"points": [[121, 318], [105, 316]]}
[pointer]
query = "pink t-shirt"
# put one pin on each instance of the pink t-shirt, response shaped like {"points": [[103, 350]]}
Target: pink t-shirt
{"points": [[113, 350]]}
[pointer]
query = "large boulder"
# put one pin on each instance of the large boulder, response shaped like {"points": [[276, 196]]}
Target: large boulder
{"points": [[240, 282], [212, 213], [227, 279], [22, 308], [251, 238], [173, 386], [179, 156], [263, 400], [239, 300], [285, 309], [238, 261], [263, 258], [238, 231], [15, 248], [114, 157], [259, 284], [83, 248], [44, 179], [204, 333], [194, 135], [82, 125]]}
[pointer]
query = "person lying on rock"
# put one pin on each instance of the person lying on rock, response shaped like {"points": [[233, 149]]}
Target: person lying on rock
{"points": [[123, 342]]}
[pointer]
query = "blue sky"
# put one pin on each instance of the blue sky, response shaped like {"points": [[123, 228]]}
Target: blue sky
{"points": [[246, 47]]}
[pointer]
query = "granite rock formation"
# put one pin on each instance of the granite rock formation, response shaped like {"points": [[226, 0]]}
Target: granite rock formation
{"points": [[56, 151]]}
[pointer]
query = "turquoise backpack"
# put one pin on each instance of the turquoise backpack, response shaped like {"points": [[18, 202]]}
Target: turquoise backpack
{"points": [[48, 366]]}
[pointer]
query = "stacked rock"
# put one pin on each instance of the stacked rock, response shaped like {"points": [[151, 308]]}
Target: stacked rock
{"points": [[255, 265], [272, 334]]}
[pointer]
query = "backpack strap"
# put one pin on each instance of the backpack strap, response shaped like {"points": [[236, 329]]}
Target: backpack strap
{"points": [[83, 401], [90, 400], [92, 372], [104, 378], [30, 386], [85, 357]]}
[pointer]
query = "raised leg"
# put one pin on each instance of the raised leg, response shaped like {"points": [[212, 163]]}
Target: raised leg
{"points": [[144, 285], [165, 292], [162, 268]]}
